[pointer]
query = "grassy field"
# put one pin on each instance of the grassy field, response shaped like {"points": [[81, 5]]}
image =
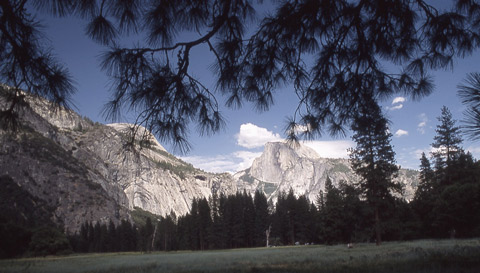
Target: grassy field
{"points": [[417, 256]]}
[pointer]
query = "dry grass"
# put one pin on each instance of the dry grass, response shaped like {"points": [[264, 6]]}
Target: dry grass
{"points": [[417, 256]]}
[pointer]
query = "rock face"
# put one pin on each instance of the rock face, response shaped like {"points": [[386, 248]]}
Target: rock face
{"points": [[281, 167], [86, 170]]}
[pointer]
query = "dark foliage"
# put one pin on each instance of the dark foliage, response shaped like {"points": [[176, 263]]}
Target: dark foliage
{"points": [[110, 238], [447, 198], [49, 241], [469, 92], [23, 218], [373, 160], [447, 142], [25, 63], [334, 53]]}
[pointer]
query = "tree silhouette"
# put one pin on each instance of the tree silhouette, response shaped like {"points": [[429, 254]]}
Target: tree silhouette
{"points": [[373, 160], [335, 54], [425, 195], [447, 143], [25, 63], [470, 95]]}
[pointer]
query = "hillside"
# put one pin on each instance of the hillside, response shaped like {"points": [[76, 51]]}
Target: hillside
{"points": [[85, 172]]}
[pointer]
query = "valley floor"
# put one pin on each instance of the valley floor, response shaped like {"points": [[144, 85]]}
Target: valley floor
{"points": [[416, 256]]}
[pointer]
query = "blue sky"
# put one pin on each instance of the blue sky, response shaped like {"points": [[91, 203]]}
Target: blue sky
{"points": [[413, 123]]}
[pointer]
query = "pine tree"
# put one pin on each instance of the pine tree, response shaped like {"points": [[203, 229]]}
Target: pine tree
{"points": [[425, 196], [426, 177], [261, 218], [320, 227], [291, 216], [349, 47], [373, 160], [333, 216], [302, 218], [148, 234], [355, 214], [204, 222], [447, 144], [470, 95], [112, 244]]}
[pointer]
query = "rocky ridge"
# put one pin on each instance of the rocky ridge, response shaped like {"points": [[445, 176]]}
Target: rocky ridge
{"points": [[282, 166], [87, 172]]}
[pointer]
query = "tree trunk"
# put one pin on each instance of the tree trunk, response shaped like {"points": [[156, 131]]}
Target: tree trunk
{"points": [[378, 235], [267, 232], [153, 237]]}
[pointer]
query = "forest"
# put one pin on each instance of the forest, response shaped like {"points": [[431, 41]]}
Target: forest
{"points": [[445, 205], [349, 43]]}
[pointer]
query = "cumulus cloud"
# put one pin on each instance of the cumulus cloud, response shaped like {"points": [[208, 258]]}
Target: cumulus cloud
{"points": [[398, 100], [397, 103], [230, 163], [252, 136], [423, 123], [400, 133], [418, 153], [331, 149], [396, 107]]}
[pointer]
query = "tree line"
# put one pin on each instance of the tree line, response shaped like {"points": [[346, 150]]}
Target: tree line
{"points": [[445, 205]]}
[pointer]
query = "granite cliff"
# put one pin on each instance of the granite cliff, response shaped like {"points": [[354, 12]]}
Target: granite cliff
{"points": [[85, 171], [282, 166]]}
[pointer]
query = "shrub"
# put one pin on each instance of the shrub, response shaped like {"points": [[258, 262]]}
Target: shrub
{"points": [[49, 241]]}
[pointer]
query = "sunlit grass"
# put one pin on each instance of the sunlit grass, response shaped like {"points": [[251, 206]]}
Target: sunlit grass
{"points": [[417, 256]]}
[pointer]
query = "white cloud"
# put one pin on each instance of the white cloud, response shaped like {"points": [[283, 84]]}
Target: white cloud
{"points": [[398, 100], [396, 107], [331, 149], [241, 160], [247, 158], [418, 153], [398, 103], [423, 123], [400, 133], [252, 136], [230, 163]]}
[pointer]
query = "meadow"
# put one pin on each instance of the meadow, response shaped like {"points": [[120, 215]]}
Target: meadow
{"points": [[416, 256]]}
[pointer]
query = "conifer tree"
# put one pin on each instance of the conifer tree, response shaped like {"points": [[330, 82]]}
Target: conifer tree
{"points": [[447, 143], [112, 243], [426, 177], [426, 173], [261, 218], [425, 196], [333, 216], [320, 202], [373, 160], [203, 222]]}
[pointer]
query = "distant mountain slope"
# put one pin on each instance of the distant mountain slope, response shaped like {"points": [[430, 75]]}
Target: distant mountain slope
{"points": [[80, 171], [281, 167], [83, 170]]}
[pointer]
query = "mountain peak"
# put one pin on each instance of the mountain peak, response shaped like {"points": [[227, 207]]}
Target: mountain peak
{"points": [[284, 166], [141, 134], [298, 148]]}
